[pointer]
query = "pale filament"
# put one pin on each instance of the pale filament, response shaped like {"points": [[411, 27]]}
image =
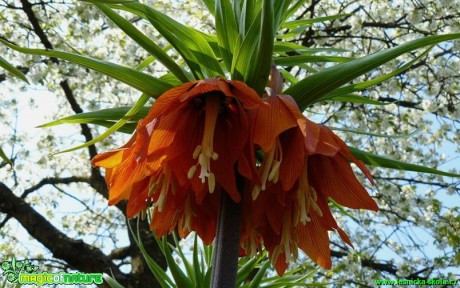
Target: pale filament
{"points": [[270, 168], [205, 152], [306, 197], [188, 214], [163, 184], [251, 246], [289, 240]]}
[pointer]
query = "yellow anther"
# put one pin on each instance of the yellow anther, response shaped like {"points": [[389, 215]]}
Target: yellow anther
{"points": [[255, 192], [211, 182], [191, 172], [274, 173]]}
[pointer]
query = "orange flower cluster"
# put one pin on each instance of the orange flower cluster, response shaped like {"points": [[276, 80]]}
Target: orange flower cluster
{"points": [[199, 138]]}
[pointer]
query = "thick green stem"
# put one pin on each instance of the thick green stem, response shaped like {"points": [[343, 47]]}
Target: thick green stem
{"points": [[226, 246]]}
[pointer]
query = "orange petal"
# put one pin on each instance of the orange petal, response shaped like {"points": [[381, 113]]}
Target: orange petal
{"points": [[137, 199], [269, 123], [187, 126], [327, 145], [314, 240], [281, 265], [292, 142], [312, 134], [129, 172], [328, 221], [246, 95], [165, 221], [344, 237], [108, 159], [161, 139], [335, 178], [171, 100], [230, 139], [204, 220], [346, 152]]}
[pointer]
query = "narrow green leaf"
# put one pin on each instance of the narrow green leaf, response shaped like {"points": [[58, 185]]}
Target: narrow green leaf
{"points": [[124, 8], [188, 267], [141, 81], [128, 128], [259, 275], [291, 10], [288, 283], [385, 162], [358, 99], [226, 30], [377, 135], [332, 203], [282, 46], [253, 57], [133, 111], [149, 60], [108, 1], [4, 157], [207, 278], [264, 52], [117, 113], [160, 275], [172, 79], [245, 53], [288, 76], [250, 13], [297, 27], [300, 59], [280, 9], [13, 70], [305, 23], [246, 269], [366, 84], [208, 254], [198, 267], [195, 50], [210, 4], [213, 43], [111, 282], [312, 88], [145, 42], [180, 278]]}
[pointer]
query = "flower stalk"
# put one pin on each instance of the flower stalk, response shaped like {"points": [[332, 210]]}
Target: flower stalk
{"points": [[226, 245]]}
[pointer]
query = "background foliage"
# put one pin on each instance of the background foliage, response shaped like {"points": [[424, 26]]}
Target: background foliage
{"points": [[415, 234]]}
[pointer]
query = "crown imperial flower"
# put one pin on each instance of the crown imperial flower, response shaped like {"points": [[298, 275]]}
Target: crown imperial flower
{"points": [[200, 137], [185, 149]]}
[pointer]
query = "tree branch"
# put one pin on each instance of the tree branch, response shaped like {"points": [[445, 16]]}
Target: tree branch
{"points": [[43, 182], [380, 266], [75, 252], [97, 181]]}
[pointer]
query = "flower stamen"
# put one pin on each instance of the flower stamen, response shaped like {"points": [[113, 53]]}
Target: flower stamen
{"points": [[163, 184], [288, 244], [270, 168], [205, 152], [306, 197], [188, 213]]}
